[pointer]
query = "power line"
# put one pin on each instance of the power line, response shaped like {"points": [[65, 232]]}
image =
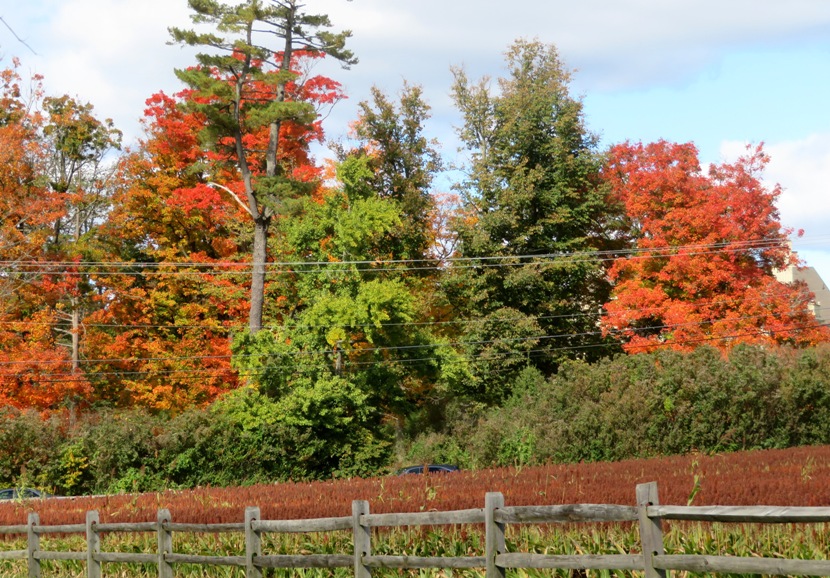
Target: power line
{"points": [[412, 347], [519, 355], [23, 42], [466, 321], [379, 265]]}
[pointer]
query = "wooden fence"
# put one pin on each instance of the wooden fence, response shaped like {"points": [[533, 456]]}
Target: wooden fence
{"points": [[648, 513]]}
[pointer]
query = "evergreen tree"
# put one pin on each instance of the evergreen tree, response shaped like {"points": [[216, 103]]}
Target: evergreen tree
{"points": [[238, 94]]}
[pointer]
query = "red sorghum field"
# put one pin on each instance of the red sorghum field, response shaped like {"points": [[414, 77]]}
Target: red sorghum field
{"points": [[791, 477]]}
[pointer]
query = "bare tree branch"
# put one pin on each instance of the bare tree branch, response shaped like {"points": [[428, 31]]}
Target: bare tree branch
{"points": [[23, 42]]}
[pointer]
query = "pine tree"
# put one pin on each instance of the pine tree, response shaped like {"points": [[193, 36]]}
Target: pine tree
{"points": [[245, 85]]}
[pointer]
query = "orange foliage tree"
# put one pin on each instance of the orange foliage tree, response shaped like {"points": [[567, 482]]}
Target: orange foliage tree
{"points": [[706, 247], [172, 297], [181, 230], [33, 365]]}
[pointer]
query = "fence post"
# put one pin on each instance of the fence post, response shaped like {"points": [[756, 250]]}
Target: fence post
{"points": [[651, 532], [362, 539], [93, 545], [32, 546], [494, 534], [253, 543], [165, 544]]}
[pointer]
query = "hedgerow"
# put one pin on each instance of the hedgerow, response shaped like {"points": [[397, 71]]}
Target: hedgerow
{"points": [[632, 406], [655, 404]]}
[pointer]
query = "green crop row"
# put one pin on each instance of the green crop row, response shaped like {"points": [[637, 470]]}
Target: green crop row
{"points": [[778, 541]]}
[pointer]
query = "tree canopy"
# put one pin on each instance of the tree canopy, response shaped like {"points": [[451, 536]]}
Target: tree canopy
{"points": [[706, 246], [250, 93], [333, 310]]}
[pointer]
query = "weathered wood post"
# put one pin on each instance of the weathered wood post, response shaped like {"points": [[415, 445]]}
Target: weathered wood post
{"points": [[93, 545], [32, 546], [494, 534], [362, 535], [165, 544], [651, 532], [253, 543]]}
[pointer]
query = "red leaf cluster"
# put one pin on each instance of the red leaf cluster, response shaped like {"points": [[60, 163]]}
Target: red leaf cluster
{"points": [[706, 249]]}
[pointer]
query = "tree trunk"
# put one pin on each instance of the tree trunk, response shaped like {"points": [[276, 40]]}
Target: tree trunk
{"points": [[76, 335], [258, 273]]}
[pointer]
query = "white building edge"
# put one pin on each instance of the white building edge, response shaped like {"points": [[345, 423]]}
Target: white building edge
{"points": [[814, 282]]}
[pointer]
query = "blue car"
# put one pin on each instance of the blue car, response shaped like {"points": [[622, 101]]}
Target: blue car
{"points": [[19, 493], [430, 469]]}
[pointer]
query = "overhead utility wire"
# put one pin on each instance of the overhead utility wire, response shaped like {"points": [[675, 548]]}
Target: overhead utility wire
{"points": [[328, 352], [16, 325], [605, 255], [368, 349], [519, 354]]}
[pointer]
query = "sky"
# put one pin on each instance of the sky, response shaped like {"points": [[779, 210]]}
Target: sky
{"points": [[720, 73]]}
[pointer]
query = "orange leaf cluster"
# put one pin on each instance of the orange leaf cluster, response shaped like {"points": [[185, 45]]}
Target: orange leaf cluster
{"points": [[706, 249]]}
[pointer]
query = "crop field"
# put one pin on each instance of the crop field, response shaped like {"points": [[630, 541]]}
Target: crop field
{"points": [[791, 477], [794, 477]]}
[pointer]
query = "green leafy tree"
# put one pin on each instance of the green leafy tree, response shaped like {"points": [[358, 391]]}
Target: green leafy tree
{"points": [[350, 340], [533, 205], [238, 94], [404, 164]]}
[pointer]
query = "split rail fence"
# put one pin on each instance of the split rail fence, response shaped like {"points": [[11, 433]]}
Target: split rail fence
{"points": [[648, 513]]}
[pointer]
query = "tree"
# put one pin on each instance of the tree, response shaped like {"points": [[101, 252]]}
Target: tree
{"points": [[706, 248], [25, 208], [361, 314], [353, 329], [404, 163], [35, 367], [165, 330], [80, 178], [534, 202], [237, 95]]}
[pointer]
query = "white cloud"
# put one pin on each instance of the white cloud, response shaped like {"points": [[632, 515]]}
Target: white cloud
{"points": [[802, 168], [111, 53], [615, 43]]}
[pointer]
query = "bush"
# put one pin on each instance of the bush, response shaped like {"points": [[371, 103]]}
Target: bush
{"points": [[645, 405], [27, 445], [662, 403]]}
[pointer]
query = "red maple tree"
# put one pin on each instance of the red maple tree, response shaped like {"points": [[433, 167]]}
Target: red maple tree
{"points": [[706, 247]]}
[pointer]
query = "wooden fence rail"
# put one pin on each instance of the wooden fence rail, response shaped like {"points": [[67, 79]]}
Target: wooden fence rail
{"points": [[648, 513]]}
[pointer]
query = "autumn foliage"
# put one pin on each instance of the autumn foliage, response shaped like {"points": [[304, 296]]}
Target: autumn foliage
{"points": [[177, 313], [373, 315], [36, 370], [705, 246]]}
